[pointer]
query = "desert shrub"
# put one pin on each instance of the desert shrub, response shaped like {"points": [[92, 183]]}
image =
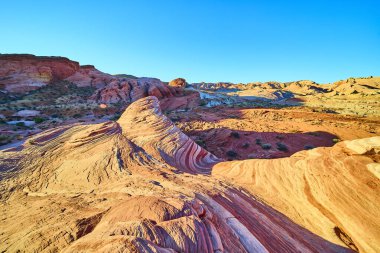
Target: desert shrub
{"points": [[258, 141], [280, 137], [336, 140], [266, 146], [174, 118], [308, 147], [38, 120], [5, 139], [200, 142], [231, 153], [77, 115], [115, 117], [245, 145], [203, 102], [20, 124], [32, 142], [281, 146], [235, 135]]}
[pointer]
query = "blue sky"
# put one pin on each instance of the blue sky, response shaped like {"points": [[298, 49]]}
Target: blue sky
{"points": [[202, 40]]}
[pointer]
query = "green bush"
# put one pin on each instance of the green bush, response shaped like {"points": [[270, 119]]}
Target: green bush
{"points": [[20, 124], [280, 137], [200, 142], [235, 135], [308, 147], [77, 115], [245, 145], [115, 117], [203, 102], [231, 153], [38, 120], [266, 146], [281, 146], [5, 139]]}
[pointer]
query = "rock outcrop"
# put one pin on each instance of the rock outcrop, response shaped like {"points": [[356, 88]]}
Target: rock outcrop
{"points": [[141, 185], [350, 86], [178, 82], [357, 86], [162, 139], [129, 90], [326, 190], [22, 72]]}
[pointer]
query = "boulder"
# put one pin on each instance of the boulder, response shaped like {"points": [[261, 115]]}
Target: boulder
{"points": [[178, 82]]}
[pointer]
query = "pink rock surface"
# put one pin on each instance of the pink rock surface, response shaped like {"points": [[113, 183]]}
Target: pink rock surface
{"points": [[22, 73]]}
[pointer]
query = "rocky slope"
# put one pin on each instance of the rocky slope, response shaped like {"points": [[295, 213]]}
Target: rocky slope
{"points": [[363, 86], [141, 185], [24, 73], [354, 96]]}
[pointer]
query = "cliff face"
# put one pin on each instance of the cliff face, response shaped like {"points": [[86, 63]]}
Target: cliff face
{"points": [[21, 73]]}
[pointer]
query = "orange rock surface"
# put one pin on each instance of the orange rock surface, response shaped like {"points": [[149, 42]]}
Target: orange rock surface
{"points": [[141, 185]]}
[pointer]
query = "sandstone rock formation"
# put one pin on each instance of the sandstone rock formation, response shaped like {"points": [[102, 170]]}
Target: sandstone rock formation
{"points": [[354, 96], [20, 73], [141, 185], [178, 82], [162, 139], [304, 87], [88, 75], [357, 86], [360, 86], [23, 73], [326, 190], [129, 90]]}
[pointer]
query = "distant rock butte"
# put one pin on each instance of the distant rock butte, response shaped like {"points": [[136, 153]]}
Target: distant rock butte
{"points": [[350, 86], [141, 185]]}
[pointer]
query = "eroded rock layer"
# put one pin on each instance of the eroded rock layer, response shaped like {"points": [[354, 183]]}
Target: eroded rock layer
{"points": [[144, 124], [141, 185], [331, 191], [20, 73]]}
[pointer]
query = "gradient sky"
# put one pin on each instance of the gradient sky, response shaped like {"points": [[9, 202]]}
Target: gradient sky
{"points": [[202, 40]]}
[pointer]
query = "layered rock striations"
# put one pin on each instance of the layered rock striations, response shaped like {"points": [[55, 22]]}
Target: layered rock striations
{"points": [[21, 73], [162, 139], [330, 191], [141, 185]]}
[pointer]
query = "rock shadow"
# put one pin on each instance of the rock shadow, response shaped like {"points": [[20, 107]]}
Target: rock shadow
{"points": [[233, 144]]}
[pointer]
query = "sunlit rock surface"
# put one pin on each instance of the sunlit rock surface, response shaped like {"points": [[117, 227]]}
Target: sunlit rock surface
{"points": [[141, 185]]}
